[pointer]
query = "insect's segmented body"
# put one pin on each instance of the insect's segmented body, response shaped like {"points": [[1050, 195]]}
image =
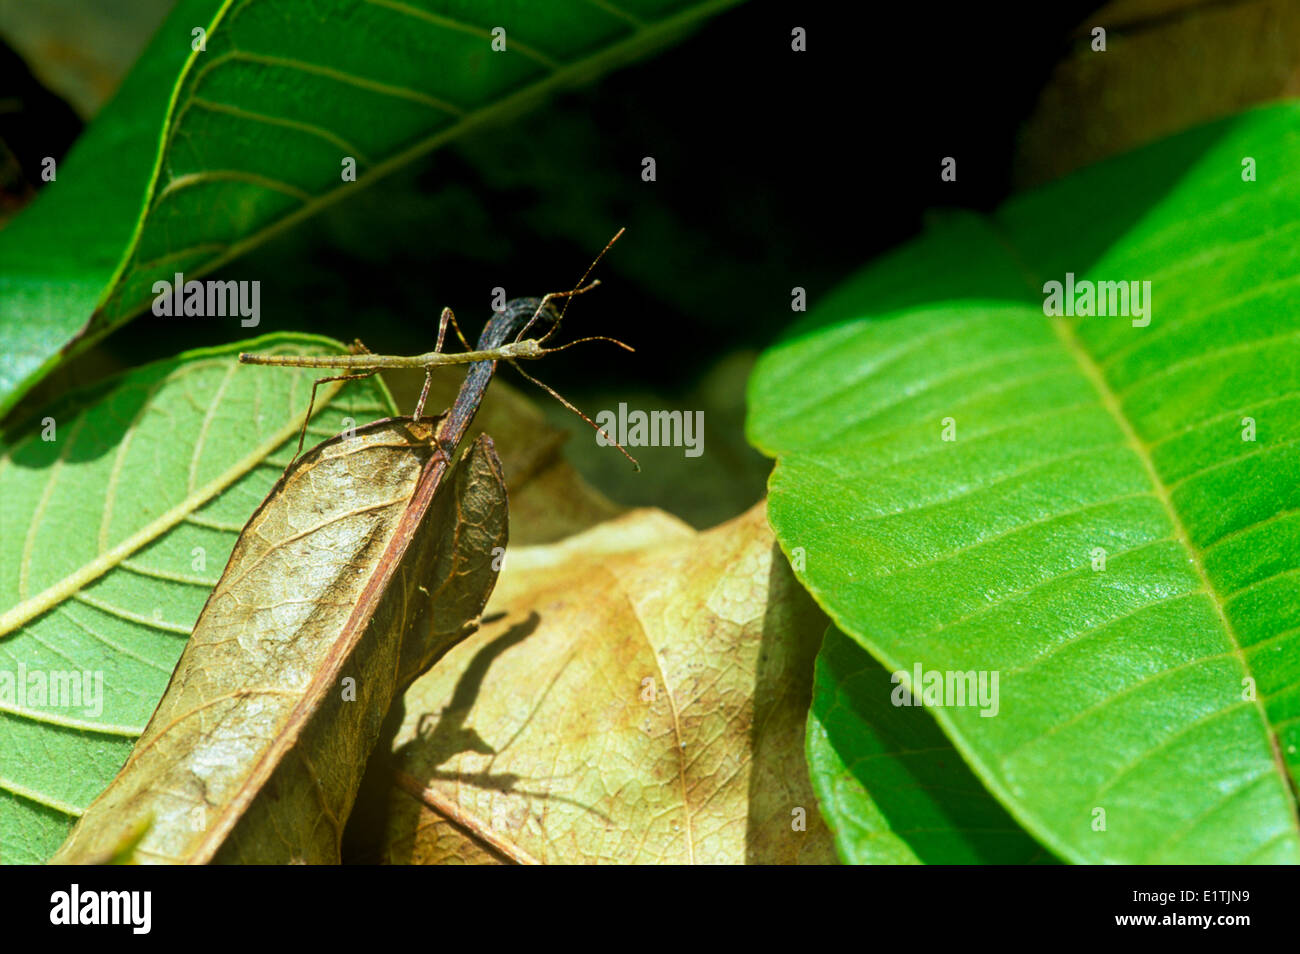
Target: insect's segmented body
{"points": [[504, 338], [494, 343]]}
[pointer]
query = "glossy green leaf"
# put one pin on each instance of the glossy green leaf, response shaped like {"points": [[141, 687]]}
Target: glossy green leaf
{"points": [[892, 787], [118, 510], [205, 153], [1149, 701]]}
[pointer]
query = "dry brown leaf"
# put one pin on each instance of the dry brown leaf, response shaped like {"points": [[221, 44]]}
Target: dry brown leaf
{"points": [[1168, 65], [642, 700], [359, 570]]}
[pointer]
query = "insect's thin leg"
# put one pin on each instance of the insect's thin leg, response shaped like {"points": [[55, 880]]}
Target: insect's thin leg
{"points": [[302, 431], [556, 394], [424, 391], [448, 315]]}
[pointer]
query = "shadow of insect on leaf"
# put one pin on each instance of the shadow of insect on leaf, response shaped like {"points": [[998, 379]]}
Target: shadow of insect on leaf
{"points": [[446, 734], [442, 736]]}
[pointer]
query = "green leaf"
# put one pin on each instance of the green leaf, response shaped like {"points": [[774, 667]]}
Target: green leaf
{"points": [[115, 531], [891, 786], [1161, 694], [205, 154]]}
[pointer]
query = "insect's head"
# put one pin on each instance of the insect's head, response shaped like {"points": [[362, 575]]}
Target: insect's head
{"points": [[526, 314]]}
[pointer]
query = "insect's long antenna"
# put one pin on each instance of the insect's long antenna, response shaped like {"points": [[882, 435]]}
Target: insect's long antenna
{"points": [[569, 344], [577, 290], [556, 394], [541, 307], [591, 268]]}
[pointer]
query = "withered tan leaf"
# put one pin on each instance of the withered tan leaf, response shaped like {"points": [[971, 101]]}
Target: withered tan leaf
{"points": [[1152, 80], [364, 565], [643, 700]]}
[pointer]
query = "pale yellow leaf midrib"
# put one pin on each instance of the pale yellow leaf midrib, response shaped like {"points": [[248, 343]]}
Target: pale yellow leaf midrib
{"points": [[1109, 400], [1091, 368], [27, 610]]}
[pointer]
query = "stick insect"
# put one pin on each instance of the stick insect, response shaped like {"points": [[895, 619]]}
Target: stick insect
{"points": [[503, 339]]}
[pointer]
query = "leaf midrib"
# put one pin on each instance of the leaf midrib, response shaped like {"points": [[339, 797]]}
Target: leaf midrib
{"points": [[1110, 401], [19, 614], [164, 140], [1092, 370], [642, 35], [453, 813]]}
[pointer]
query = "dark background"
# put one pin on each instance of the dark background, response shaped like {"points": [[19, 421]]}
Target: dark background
{"points": [[775, 169]]}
